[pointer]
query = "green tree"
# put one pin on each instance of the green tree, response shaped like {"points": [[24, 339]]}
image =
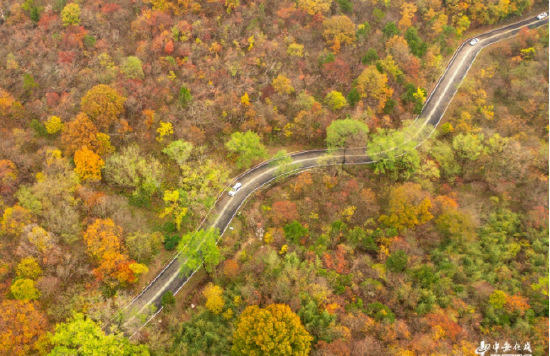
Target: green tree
{"points": [[380, 312], [397, 261], [132, 68], [82, 336], [395, 154], [417, 47], [347, 133], [363, 30], [205, 334], [370, 56], [444, 155], [89, 41], [295, 231], [390, 30], [468, 147], [245, 148], [345, 5], [275, 330], [498, 299], [35, 14], [129, 168], [203, 181], [353, 97], [28, 200], [284, 164], [70, 15], [199, 248], [379, 14], [185, 96], [38, 128], [179, 151], [143, 246], [29, 84], [316, 320], [305, 100], [457, 225]]}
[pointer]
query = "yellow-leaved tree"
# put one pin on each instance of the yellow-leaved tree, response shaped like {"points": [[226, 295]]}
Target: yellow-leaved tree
{"points": [[314, 7], [407, 12], [14, 220], [54, 124], [29, 268], [174, 206], [275, 330], [408, 207], [103, 105], [339, 29], [214, 299], [282, 85], [371, 83]]}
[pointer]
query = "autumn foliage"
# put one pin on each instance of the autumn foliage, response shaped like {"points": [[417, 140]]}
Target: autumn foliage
{"points": [[104, 241], [264, 331], [88, 164], [103, 105], [81, 132], [22, 326]]}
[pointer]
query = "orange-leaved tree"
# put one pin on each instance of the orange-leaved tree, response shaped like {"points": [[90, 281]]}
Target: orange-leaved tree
{"points": [[88, 164], [8, 176], [104, 241], [80, 132], [284, 211], [103, 105], [275, 330], [22, 327], [102, 236]]}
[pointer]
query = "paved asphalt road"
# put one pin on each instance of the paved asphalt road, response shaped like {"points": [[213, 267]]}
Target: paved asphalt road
{"points": [[434, 108]]}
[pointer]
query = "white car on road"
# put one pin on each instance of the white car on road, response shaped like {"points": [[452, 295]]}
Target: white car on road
{"points": [[474, 41], [235, 189], [541, 16]]}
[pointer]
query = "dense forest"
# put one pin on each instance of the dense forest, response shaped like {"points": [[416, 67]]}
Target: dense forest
{"points": [[121, 121]]}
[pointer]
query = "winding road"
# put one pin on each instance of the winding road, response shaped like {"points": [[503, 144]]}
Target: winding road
{"points": [[227, 207]]}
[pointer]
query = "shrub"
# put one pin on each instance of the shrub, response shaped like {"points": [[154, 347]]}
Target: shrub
{"points": [[39, 129], [132, 68], [168, 300]]}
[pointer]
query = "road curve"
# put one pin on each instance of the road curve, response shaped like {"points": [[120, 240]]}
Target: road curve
{"points": [[227, 207]]}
